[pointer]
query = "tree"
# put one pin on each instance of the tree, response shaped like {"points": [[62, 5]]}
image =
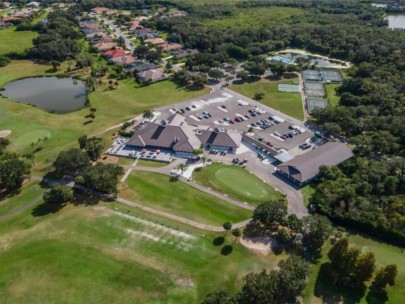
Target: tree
{"points": [[182, 167], [103, 178], [91, 83], [227, 226], [58, 195], [198, 151], [181, 77], [316, 230], [283, 235], [243, 75], [365, 267], [55, 65], [258, 96], [148, 114], [216, 74], [82, 141], [220, 297], [347, 266], [385, 276], [199, 80], [13, 172], [270, 213], [94, 146], [70, 162], [277, 286], [294, 224], [237, 233], [4, 142], [141, 51]]}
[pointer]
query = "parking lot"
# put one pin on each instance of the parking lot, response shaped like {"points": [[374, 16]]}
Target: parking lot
{"points": [[225, 109]]}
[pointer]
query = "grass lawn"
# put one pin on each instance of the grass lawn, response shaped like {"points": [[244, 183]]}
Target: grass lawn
{"points": [[307, 192], [246, 187], [255, 17], [331, 94], [384, 253], [114, 254], [157, 191], [15, 41], [286, 102], [113, 107], [148, 163], [28, 193]]}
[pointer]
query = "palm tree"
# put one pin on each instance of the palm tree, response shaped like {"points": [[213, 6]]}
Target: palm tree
{"points": [[227, 226], [236, 233], [148, 114], [182, 167]]}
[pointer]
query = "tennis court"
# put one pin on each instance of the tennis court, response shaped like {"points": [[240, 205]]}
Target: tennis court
{"points": [[291, 88], [313, 103], [314, 89]]}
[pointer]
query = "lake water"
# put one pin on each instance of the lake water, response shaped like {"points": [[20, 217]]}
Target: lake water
{"points": [[396, 21], [52, 94]]}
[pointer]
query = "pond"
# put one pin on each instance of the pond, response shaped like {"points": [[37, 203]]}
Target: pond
{"points": [[396, 21], [52, 94]]}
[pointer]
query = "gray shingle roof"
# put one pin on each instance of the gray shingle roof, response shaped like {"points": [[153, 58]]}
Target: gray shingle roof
{"points": [[306, 166], [221, 139]]}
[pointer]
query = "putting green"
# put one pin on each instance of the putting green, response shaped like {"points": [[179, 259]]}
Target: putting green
{"points": [[236, 182], [31, 136]]}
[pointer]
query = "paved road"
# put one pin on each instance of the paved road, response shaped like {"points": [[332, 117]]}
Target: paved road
{"points": [[178, 218], [207, 190], [119, 33], [22, 208], [127, 202]]}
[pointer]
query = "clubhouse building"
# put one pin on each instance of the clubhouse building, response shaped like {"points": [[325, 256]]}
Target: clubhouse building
{"points": [[176, 136]]}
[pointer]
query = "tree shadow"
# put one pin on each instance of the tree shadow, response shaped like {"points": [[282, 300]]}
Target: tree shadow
{"points": [[82, 198], [45, 209], [218, 241], [226, 250], [334, 293], [174, 178], [376, 297]]}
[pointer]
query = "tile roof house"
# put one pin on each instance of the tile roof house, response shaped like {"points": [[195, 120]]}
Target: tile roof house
{"points": [[168, 47], [305, 167], [104, 46], [123, 60], [117, 52], [99, 10], [152, 75], [155, 41]]}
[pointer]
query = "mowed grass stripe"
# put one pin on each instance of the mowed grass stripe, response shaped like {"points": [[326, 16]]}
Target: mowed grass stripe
{"points": [[157, 191], [237, 183]]}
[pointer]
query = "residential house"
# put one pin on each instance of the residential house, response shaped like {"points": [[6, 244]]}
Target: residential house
{"points": [[140, 66], [169, 47], [146, 33], [99, 10], [105, 46], [117, 52], [127, 59], [152, 75], [155, 41]]}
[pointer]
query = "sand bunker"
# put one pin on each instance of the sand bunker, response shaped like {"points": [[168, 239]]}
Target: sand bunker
{"points": [[259, 245], [5, 133]]}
